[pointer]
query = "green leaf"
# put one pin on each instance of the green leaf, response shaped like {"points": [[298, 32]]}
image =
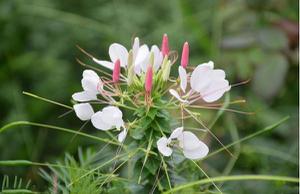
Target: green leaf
{"points": [[152, 113], [152, 165]]}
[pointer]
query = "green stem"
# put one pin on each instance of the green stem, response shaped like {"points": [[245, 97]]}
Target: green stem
{"points": [[249, 136], [47, 100], [236, 178], [166, 172], [17, 123]]}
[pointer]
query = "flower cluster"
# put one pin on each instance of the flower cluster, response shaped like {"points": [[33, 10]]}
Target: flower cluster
{"points": [[146, 70]]}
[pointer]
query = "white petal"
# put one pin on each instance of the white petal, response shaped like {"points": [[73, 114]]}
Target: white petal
{"points": [[135, 47], [122, 135], [118, 51], [183, 78], [84, 96], [176, 95], [218, 74], [90, 73], [106, 64], [192, 147], [162, 145], [188, 140], [198, 153], [200, 77], [84, 111], [158, 57], [142, 55], [113, 116], [98, 122], [176, 133], [90, 84], [137, 69], [209, 64], [215, 90], [142, 59]]}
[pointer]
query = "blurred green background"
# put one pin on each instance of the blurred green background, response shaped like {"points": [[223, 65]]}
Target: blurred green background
{"points": [[250, 39]]}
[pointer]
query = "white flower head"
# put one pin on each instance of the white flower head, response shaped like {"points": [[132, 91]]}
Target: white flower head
{"points": [[191, 146], [91, 84], [210, 83], [118, 51]]}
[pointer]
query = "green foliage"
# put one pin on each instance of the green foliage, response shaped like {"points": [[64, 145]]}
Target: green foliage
{"points": [[15, 186]]}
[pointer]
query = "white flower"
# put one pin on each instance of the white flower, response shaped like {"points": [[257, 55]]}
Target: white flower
{"points": [[84, 111], [208, 83], [110, 117], [191, 146], [91, 84], [117, 51], [141, 56]]}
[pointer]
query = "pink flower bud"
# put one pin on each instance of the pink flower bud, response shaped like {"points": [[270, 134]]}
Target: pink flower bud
{"points": [[185, 55], [148, 79], [116, 71], [165, 45]]}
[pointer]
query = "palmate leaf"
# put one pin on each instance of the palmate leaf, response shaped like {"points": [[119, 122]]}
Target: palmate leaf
{"points": [[60, 177]]}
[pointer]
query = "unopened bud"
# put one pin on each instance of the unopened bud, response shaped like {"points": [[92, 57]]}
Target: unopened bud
{"points": [[149, 79], [185, 55], [165, 45], [166, 70], [116, 71], [131, 73], [151, 59]]}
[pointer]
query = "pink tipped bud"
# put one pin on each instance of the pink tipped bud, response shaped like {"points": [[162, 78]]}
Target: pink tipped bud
{"points": [[116, 71], [148, 79], [165, 45], [185, 55]]}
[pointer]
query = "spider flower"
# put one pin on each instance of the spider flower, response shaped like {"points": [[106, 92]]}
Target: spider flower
{"points": [[147, 71], [206, 83], [119, 52]]}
